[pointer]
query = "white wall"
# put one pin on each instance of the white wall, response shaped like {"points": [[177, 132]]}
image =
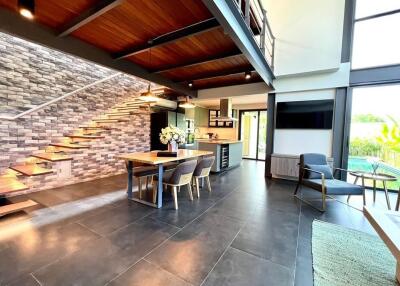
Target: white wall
{"points": [[308, 35], [235, 90], [298, 141]]}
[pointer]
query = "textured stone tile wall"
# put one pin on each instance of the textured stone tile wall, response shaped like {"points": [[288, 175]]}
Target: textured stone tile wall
{"points": [[31, 75], [33, 132]]}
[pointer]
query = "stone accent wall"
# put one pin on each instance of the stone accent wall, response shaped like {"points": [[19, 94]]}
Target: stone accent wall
{"points": [[33, 132], [31, 75]]}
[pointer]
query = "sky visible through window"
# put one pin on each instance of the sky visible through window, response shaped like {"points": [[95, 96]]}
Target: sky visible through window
{"points": [[376, 41], [378, 100]]}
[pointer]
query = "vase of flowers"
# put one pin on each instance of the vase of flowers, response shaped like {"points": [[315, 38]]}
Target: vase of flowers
{"points": [[173, 136]]}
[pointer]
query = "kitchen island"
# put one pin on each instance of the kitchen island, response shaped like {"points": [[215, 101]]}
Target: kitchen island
{"points": [[228, 153]]}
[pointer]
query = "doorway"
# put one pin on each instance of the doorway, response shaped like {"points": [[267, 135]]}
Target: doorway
{"points": [[253, 133]]}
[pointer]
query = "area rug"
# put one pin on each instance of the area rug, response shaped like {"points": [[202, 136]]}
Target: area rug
{"points": [[345, 257]]}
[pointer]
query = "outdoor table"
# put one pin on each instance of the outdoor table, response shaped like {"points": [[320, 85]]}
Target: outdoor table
{"points": [[384, 178]]}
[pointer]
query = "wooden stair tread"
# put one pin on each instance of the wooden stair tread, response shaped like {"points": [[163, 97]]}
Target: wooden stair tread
{"points": [[15, 207], [31, 170], [70, 145], [106, 120], [83, 136], [53, 157], [95, 127], [117, 113], [10, 185]]}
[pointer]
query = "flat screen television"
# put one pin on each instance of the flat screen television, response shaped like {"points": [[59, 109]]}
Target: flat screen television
{"points": [[312, 114]]}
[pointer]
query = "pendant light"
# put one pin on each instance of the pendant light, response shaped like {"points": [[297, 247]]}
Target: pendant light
{"points": [[27, 8], [187, 104], [148, 95]]}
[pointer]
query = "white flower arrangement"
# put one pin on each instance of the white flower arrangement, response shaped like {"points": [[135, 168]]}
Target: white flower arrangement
{"points": [[172, 134]]}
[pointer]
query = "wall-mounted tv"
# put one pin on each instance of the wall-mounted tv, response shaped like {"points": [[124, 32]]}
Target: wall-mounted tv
{"points": [[311, 114]]}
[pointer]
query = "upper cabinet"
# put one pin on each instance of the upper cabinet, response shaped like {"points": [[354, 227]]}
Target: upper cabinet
{"points": [[199, 115]]}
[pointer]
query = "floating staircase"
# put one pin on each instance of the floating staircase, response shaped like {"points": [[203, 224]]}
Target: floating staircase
{"points": [[10, 185]]}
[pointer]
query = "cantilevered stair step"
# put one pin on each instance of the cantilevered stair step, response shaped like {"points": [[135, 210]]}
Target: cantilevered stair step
{"points": [[84, 136], [53, 157], [10, 184], [120, 113], [70, 145], [16, 207], [95, 127], [31, 170], [111, 120]]}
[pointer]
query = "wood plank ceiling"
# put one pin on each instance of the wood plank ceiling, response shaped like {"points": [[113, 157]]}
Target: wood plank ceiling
{"points": [[203, 55]]}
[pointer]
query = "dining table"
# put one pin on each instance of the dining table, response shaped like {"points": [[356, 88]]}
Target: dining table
{"points": [[151, 158]]}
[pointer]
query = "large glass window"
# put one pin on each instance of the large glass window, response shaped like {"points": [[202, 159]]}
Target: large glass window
{"points": [[376, 41], [375, 132]]}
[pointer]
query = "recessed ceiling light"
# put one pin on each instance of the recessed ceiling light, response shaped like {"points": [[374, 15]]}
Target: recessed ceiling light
{"points": [[190, 84], [247, 75], [27, 8]]}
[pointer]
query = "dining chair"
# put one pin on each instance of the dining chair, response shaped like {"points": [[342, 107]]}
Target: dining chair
{"points": [[181, 176], [147, 172], [202, 171]]}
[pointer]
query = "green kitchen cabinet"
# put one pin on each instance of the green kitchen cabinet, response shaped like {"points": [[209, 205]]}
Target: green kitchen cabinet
{"points": [[200, 117]]}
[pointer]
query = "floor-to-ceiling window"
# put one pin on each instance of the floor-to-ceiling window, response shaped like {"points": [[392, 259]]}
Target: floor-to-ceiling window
{"points": [[374, 140], [376, 40], [375, 131], [253, 133]]}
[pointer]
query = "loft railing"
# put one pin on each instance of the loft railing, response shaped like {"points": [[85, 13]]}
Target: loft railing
{"points": [[255, 17]]}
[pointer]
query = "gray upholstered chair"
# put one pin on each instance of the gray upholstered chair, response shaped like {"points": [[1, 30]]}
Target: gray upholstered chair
{"points": [[181, 176], [202, 171], [315, 173], [144, 171]]}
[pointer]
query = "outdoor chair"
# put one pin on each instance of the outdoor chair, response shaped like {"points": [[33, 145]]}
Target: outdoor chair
{"points": [[315, 173]]}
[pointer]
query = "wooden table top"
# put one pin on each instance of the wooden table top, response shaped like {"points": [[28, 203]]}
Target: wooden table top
{"points": [[151, 157], [387, 225]]}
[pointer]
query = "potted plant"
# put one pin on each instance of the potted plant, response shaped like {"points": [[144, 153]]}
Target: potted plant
{"points": [[173, 136]]}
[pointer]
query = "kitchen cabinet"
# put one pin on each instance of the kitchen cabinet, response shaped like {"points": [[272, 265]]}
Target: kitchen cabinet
{"points": [[199, 115]]}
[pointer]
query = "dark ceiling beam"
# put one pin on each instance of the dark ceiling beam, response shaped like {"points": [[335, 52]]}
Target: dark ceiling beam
{"points": [[232, 21], [195, 29], [12, 23], [89, 15], [205, 61], [220, 74]]}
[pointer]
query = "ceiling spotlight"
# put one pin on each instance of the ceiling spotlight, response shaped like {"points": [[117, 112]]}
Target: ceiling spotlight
{"points": [[190, 84], [247, 75], [27, 8]]}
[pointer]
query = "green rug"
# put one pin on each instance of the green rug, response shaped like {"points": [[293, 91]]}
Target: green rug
{"points": [[345, 257]]}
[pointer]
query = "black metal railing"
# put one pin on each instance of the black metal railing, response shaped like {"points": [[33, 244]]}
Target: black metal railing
{"points": [[255, 17]]}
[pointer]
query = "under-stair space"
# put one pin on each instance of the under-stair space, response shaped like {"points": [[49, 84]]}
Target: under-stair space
{"points": [[42, 164]]}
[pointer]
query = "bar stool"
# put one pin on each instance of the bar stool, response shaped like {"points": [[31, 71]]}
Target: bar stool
{"points": [[202, 170], [148, 171], [182, 175]]}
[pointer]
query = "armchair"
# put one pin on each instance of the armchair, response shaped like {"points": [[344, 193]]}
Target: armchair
{"points": [[315, 173]]}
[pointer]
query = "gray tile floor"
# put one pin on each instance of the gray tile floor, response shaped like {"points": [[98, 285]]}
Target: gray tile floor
{"points": [[248, 231]]}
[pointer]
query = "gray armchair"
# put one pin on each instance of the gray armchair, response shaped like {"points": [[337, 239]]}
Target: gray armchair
{"points": [[315, 173]]}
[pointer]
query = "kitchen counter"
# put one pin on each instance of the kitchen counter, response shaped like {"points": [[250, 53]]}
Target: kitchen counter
{"points": [[228, 153], [218, 141]]}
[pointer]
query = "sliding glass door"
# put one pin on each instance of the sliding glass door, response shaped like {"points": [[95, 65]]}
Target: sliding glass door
{"points": [[253, 133]]}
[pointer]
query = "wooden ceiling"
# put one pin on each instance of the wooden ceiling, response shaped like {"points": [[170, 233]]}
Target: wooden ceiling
{"points": [[204, 56]]}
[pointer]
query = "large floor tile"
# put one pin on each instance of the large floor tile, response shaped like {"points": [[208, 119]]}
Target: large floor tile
{"points": [[271, 235], [240, 268], [112, 219], [38, 247], [144, 273], [193, 251], [108, 257]]}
